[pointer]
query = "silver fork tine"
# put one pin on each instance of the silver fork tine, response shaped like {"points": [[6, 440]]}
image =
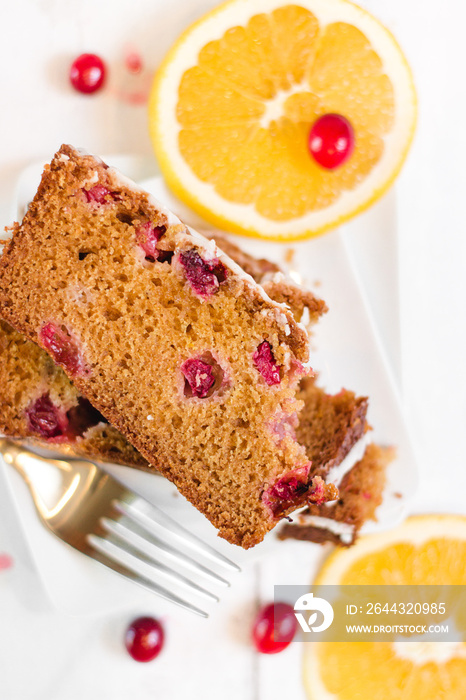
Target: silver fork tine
{"points": [[148, 514], [173, 553], [128, 539], [105, 552]]}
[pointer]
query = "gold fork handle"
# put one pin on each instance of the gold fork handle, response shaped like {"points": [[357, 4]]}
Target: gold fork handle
{"points": [[21, 458], [9, 446], [13, 453]]}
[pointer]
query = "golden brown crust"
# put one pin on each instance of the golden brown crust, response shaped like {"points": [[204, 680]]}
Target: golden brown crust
{"points": [[309, 533], [277, 286], [297, 298]]}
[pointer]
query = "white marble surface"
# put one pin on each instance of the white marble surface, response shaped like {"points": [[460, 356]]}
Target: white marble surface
{"points": [[45, 654]]}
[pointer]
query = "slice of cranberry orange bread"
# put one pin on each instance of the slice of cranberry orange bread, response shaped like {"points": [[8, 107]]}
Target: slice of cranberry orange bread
{"points": [[168, 338]]}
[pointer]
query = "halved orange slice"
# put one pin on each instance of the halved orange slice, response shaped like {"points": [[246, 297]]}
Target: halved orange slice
{"points": [[234, 102]]}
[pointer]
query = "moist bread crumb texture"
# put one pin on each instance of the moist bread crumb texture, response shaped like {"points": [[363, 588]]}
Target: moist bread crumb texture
{"points": [[168, 339]]}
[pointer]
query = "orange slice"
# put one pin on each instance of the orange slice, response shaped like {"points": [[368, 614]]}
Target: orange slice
{"points": [[234, 100], [426, 550]]}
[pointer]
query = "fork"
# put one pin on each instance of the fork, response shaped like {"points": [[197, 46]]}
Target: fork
{"points": [[95, 514]]}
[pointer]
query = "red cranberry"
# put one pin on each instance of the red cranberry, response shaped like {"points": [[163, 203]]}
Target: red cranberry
{"points": [[144, 639], [46, 419], [98, 193], [199, 376], [6, 561], [61, 347], [265, 363], [87, 73], [101, 195], [205, 276], [147, 236], [274, 628], [290, 487], [331, 141], [287, 489]]}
